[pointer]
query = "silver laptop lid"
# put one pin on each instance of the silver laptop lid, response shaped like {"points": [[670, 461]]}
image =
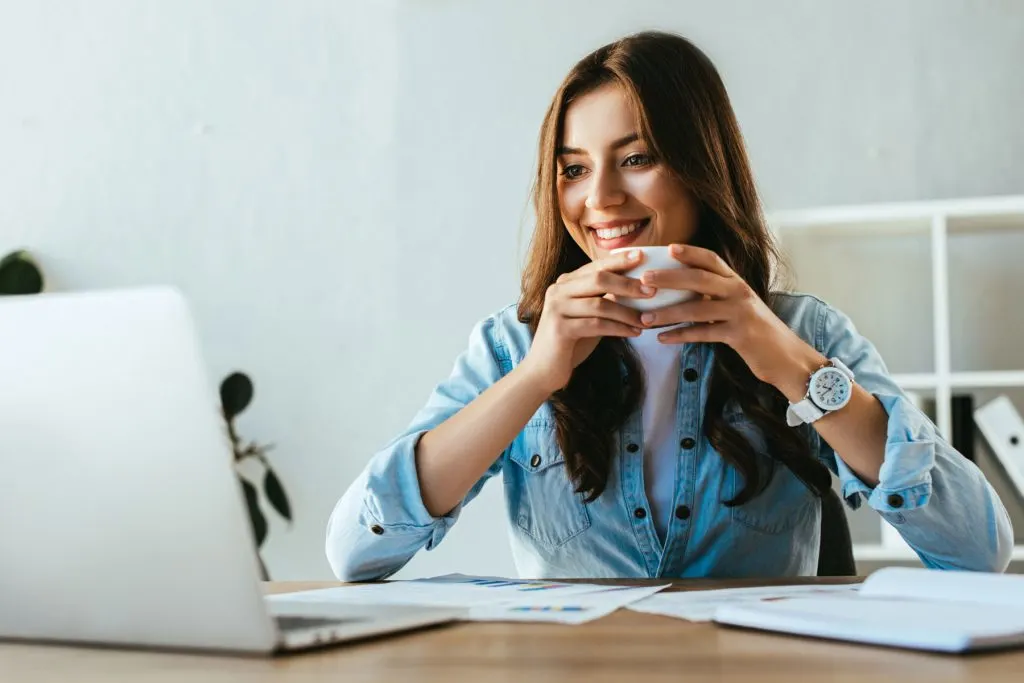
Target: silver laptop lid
{"points": [[123, 521]]}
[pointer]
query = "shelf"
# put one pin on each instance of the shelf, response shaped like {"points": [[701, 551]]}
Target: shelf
{"points": [[807, 225], [932, 284], [962, 380], [981, 211], [982, 223], [980, 380], [881, 553]]}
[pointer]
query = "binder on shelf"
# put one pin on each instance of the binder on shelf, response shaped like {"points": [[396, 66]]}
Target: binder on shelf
{"points": [[1003, 429], [963, 425]]}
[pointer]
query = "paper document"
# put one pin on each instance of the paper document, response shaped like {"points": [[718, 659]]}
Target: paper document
{"points": [[701, 605], [927, 609], [503, 598], [977, 588], [563, 610], [941, 626]]}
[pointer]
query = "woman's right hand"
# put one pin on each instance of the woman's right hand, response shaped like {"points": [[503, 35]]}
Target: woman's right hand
{"points": [[578, 312]]}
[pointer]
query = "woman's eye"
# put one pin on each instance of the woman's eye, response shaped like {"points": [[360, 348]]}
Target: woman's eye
{"points": [[637, 160], [572, 171]]}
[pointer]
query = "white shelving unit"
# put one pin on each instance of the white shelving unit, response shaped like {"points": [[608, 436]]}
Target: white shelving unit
{"points": [[934, 221]]}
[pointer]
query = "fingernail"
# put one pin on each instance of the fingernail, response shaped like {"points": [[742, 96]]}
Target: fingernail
{"points": [[677, 249], [633, 254], [647, 318], [647, 290]]}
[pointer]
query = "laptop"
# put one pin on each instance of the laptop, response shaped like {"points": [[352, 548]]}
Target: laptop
{"points": [[123, 520]]}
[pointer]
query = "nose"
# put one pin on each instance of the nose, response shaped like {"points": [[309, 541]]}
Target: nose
{"points": [[604, 191]]}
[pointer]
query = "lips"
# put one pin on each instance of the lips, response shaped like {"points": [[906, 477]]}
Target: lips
{"points": [[618, 234]]}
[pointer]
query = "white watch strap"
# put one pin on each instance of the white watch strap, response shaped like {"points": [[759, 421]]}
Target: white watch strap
{"points": [[802, 412], [841, 366]]}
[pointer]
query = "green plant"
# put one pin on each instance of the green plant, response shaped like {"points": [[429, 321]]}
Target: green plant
{"points": [[236, 392], [19, 274]]}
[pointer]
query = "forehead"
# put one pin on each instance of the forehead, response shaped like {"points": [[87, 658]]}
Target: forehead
{"points": [[598, 118]]}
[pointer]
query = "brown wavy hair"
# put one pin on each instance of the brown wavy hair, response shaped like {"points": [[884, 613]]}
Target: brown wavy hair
{"points": [[686, 119]]}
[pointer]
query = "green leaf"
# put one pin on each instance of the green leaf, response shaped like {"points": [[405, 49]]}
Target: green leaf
{"points": [[259, 522], [235, 394], [19, 274], [276, 494]]}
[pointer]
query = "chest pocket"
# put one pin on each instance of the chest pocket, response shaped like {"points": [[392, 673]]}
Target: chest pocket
{"points": [[785, 503], [540, 495]]}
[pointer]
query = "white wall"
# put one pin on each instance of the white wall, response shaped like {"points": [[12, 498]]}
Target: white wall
{"points": [[342, 187], [246, 152]]}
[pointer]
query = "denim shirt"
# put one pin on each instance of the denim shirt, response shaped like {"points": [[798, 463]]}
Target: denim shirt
{"points": [[943, 506]]}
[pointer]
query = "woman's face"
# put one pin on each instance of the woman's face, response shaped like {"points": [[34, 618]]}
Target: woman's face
{"points": [[611, 192]]}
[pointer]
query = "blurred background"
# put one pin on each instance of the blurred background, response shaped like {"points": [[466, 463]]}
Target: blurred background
{"points": [[341, 189]]}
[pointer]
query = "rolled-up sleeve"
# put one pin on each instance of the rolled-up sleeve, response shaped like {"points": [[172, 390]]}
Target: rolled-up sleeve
{"points": [[381, 522], [938, 500]]}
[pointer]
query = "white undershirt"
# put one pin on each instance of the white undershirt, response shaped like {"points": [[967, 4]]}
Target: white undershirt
{"points": [[661, 393]]}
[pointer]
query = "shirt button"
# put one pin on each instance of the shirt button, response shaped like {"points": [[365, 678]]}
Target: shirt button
{"points": [[687, 443], [535, 460], [690, 375], [639, 513], [895, 500], [377, 529], [683, 512], [632, 448]]}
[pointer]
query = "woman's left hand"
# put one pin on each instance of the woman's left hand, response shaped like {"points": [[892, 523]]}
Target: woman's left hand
{"points": [[727, 310]]}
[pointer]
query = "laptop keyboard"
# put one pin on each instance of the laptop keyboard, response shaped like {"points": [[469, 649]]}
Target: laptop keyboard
{"points": [[300, 623]]}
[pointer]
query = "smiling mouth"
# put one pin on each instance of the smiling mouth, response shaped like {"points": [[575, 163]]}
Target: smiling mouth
{"points": [[620, 235]]}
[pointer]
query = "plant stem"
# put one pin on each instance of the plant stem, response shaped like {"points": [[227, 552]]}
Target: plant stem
{"points": [[234, 440]]}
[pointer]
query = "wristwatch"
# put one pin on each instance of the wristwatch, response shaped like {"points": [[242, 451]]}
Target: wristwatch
{"points": [[828, 390]]}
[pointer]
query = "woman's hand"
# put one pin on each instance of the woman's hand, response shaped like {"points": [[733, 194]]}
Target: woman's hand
{"points": [[578, 310], [728, 311]]}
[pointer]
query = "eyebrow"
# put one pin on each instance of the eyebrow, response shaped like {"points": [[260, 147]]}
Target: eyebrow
{"points": [[621, 142]]}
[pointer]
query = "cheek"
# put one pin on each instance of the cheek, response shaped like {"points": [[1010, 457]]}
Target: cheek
{"points": [[666, 197], [653, 190], [571, 200]]}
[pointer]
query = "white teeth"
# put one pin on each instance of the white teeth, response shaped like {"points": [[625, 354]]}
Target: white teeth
{"points": [[612, 233]]}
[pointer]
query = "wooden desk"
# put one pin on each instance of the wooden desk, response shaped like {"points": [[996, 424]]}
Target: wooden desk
{"points": [[623, 647]]}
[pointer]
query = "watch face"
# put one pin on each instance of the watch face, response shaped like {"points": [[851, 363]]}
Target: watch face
{"points": [[830, 389]]}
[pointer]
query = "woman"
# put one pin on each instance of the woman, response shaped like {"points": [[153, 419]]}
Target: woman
{"points": [[633, 445]]}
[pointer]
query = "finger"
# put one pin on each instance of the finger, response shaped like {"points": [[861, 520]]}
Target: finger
{"points": [[617, 262], [601, 282], [700, 257], [582, 328], [691, 279], [697, 333], [598, 307], [693, 311]]}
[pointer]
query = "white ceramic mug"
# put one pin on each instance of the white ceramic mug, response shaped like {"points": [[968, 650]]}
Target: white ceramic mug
{"points": [[655, 258]]}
